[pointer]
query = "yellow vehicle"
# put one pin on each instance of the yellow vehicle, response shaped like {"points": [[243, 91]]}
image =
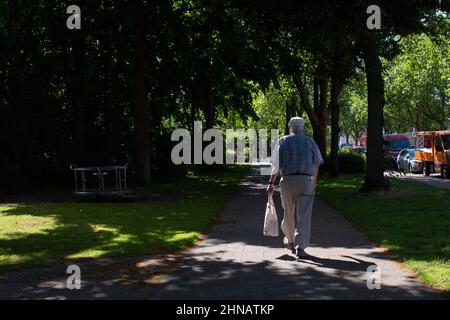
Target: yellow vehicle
{"points": [[433, 148]]}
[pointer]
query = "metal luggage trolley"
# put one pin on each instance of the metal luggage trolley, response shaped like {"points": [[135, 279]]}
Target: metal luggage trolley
{"points": [[87, 185]]}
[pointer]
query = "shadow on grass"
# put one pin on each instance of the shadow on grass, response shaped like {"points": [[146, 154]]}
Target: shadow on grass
{"points": [[71, 231]]}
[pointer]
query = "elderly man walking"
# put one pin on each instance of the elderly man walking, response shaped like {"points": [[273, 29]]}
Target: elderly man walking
{"points": [[297, 158]]}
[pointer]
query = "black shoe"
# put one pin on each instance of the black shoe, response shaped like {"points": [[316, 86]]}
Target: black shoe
{"points": [[288, 245], [300, 253]]}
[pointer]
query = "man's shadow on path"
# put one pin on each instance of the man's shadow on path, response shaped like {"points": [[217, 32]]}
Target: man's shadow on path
{"points": [[356, 265]]}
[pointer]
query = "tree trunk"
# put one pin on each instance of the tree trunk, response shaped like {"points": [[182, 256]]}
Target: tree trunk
{"points": [[286, 120], [319, 118], [78, 95], [374, 180], [210, 112], [112, 126], [210, 118], [291, 111], [141, 112], [193, 116], [320, 137], [316, 94], [323, 114], [334, 163], [336, 88]]}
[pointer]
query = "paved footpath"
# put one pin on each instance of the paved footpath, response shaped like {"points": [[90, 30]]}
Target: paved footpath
{"points": [[235, 261], [434, 179]]}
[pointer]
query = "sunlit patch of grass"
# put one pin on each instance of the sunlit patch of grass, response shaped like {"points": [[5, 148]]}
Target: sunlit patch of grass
{"points": [[13, 226], [44, 233], [412, 221]]}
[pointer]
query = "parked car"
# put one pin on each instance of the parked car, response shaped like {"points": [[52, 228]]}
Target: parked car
{"points": [[361, 150], [406, 161], [346, 146]]}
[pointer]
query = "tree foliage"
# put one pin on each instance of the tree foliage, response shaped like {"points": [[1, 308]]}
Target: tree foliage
{"points": [[354, 108], [113, 91], [417, 85]]}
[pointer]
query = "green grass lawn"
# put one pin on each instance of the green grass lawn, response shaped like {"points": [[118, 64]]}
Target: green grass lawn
{"points": [[412, 221], [35, 234]]}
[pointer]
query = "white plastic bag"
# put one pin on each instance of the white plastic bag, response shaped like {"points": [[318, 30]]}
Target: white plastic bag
{"points": [[270, 220]]}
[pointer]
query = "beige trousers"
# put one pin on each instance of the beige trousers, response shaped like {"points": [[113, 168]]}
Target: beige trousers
{"points": [[297, 196]]}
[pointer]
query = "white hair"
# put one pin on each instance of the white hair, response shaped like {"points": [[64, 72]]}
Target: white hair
{"points": [[297, 124]]}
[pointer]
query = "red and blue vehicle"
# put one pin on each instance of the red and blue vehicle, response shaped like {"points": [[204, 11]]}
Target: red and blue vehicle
{"points": [[392, 145]]}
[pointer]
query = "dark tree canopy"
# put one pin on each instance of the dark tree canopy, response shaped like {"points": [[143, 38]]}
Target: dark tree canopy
{"points": [[113, 91]]}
